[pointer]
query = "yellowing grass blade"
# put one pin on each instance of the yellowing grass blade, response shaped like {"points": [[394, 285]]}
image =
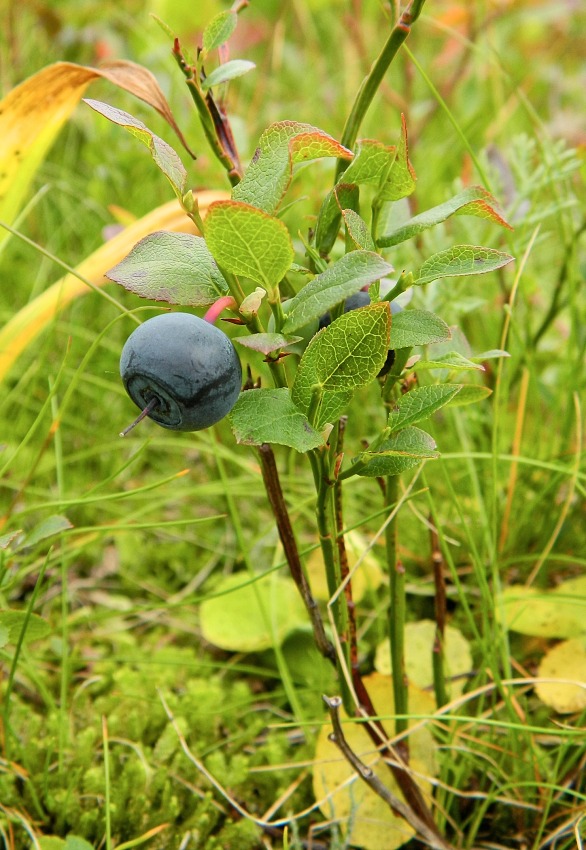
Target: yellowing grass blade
{"points": [[19, 331], [30, 118]]}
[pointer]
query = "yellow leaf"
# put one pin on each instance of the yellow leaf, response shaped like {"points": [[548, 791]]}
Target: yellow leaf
{"points": [[419, 640], [559, 612], [345, 798], [567, 662], [367, 576], [23, 327], [33, 113]]}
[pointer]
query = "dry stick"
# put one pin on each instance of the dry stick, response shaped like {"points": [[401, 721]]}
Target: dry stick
{"points": [[272, 484], [366, 773]]}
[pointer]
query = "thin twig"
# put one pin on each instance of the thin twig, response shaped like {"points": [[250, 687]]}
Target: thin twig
{"points": [[366, 773]]}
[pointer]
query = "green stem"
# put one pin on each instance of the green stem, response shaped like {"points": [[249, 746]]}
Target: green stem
{"points": [[205, 116], [278, 504], [375, 77], [397, 609], [326, 525]]}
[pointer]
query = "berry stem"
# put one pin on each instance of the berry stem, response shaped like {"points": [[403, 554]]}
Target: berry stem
{"points": [[142, 415]]}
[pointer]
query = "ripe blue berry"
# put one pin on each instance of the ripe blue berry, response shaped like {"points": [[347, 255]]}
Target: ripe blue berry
{"points": [[184, 370]]}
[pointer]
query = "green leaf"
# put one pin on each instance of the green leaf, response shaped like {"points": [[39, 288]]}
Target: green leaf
{"points": [[403, 450], [228, 71], [13, 622], [47, 528], [347, 354], [268, 176], [51, 842], [244, 240], [452, 361], [493, 354], [417, 327], [420, 403], [74, 842], [269, 416], [343, 196], [174, 267], [340, 280], [266, 343], [357, 230], [7, 539], [461, 260], [249, 617], [219, 30], [472, 201], [163, 154], [400, 181], [470, 394], [371, 164]]}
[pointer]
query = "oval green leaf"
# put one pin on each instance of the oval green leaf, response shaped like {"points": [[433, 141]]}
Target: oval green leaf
{"points": [[247, 616], [269, 416], [246, 241], [174, 267]]}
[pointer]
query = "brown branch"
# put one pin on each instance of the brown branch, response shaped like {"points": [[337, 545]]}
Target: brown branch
{"points": [[272, 484]]}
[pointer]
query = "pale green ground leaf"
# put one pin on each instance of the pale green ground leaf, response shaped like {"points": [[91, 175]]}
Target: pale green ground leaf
{"points": [[47, 528], [565, 661], [559, 612], [246, 241], [235, 620], [269, 416], [347, 354], [472, 201], [228, 71], [419, 642], [51, 842], [163, 154], [400, 182], [305, 664], [219, 30], [74, 842], [366, 820], [344, 278], [420, 403], [401, 451], [266, 343], [358, 232], [13, 621], [174, 267], [417, 327], [461, 260], [269, 172]]}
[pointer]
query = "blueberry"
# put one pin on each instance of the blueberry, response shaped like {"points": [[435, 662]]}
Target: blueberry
{"points": [[353, 302], [183, 370]]}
